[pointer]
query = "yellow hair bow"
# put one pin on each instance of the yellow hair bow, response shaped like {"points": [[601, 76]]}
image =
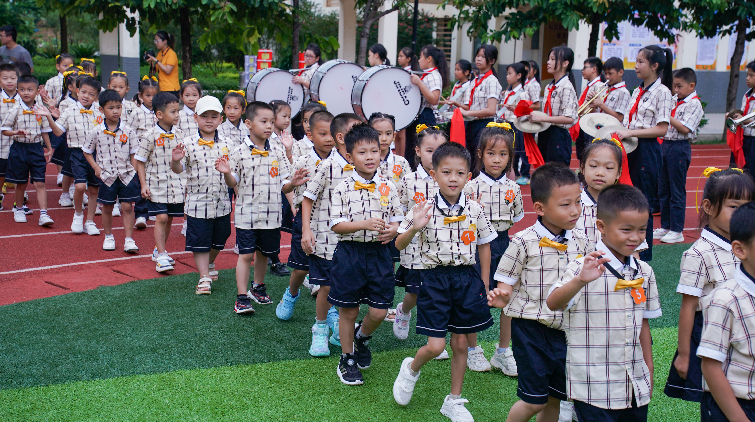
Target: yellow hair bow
{"points": [[86, 60], [322, 103], [68, 72], [147, 77], [190, 79], [240, 92], [710, 170], [118, 72], [88, 74], [614, 140], [80, 68], [504, 126], [422, 127], [707, 173], [57, 57]]}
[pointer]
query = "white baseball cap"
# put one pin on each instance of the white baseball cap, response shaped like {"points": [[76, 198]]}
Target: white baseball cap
{"points": [[207, 103]]}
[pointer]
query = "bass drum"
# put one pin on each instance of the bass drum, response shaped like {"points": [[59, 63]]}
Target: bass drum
{"points": [[332, 84], [389, 90], [275, 84]]}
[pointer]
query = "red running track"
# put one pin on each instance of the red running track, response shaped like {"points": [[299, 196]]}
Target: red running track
{"points": [[42, 262]]}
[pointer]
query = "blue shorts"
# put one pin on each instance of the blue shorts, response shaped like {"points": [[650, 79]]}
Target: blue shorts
{"points": [[66, 170], [24, 161], [205, 234], [362, 273], [452, 298], [408, 279], [690, 389], [542, 350], [297, 259], [267, 241], [589, 413], [61, 151], [319, 271], [711, 412], [118, 191], [497, 249], [3, 166], [157, 208], [82, 171], [395, 254], [287, 216]]}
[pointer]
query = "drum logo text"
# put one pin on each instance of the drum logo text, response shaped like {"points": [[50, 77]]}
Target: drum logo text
{"points": [[291, 97], [402, 91]]}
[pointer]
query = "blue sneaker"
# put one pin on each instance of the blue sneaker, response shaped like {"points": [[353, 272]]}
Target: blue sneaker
{"points": [[332, 322], [523, 180], [285, 309], [319, 346], [335, 339]]}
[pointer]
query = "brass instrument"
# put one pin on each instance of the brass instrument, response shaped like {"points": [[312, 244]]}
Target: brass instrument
{"points": [[732, 124], [587, 107]]}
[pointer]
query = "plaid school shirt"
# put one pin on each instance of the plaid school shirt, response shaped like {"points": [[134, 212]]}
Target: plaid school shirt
{"points": [[310, 161], [6, 105], [114, 152], [434, 82], [77, 122], [320, 187], [533, 269], [350, 204], [66, 103], [501, 199], [234, 135], [689, 112], [142, 120], [21, 117], [127, 108], [604, 362], [206, 190], [260, 179], [488, 88], [729, 333], [394, 168], [564, 100], [533, 89], [415, 188], [444, 242], [618, 99], [655, 106], [307, 76], [707, 264], [747, 98], [186, 121], [301, 147], [156, 151], [54, 87], [589, 216], [513, 96]]}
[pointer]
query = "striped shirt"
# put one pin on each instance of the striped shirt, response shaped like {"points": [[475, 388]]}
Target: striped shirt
{"points": [[6, 105], [415, 188], [310, 162], [206, 190], [77, 122], [707, 264], [186, 121], [21, 117], [156, 151], [592, 88], [618, 98], [66, 103], [301, 147], [689, 112], [501, 199], [233, 134], [654, 107], [563, 100], [54, 87], [113, 152], [307, 76], [354, 205], [142, 120]]}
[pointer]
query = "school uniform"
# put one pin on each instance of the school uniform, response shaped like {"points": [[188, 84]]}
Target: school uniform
{"points": [[76, 122], [66, 103], [434, 82], [748, 140], [127, 108], [362, 267], [233, 134], [186, 121], [483, 88], [394, 167], [533, 89], [728, 336], [502, 203], [707, 264], [112, 151], [587, 220], [301, 147], [618, 98], [533, 262], [650, 106], [606, 381], [452, 295], [677, 155], [167, 189], [61, 147], [26, 155], [320, 187], [512, 97], [560, 100], [6, 105], [582, 139], [142, 120], [307, 76], [54, 87]]}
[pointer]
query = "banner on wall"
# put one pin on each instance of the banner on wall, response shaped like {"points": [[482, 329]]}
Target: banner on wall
{"points": [[732, 44], [631, 40], [707, 51]]}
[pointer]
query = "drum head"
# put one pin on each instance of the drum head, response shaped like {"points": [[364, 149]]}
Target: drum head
{"points": [[388, 90], [332, 84], [630, 144], [594, 122], [275, 84]]}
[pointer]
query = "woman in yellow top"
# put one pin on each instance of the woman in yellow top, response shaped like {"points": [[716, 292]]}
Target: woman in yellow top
{"points": [[166, 62]]}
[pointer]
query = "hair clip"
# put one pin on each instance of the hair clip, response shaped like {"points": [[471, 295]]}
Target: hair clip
{"points": [[68, 72], [614, 140], [423, 126], [57, 57], [504, 125], [118, 72], [86, 60], [87, 73], [322, 103], [147, 77], [710, 170], [80, 68], [190, 79], [240, 92]]}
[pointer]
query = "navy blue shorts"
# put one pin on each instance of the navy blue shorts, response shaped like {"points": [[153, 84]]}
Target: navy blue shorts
{"points": [[690, 389], [362, 273], [408, 279], [395, 254], [118, 191], [61, 150], [319, 270], [497, 249], [555, 144], [267, 241], [66, 170], [297, 259], [205, 234], [3, 166], [710, 412], [82, 171], [287, 216], [452, 298], [589, 413], [542, 350], [157, 208], [24, 161]]}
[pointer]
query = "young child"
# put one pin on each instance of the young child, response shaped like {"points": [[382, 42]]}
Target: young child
{"points": [[607, 298], [260, 171], [726, 341], [677, 155], [407, 60], [431, 83], [532, 86], [281, 139], [10, 100], [452, 230], [89, 67], [118, 82], [190, 93], [163, 189], [501, 200], [114, 144], [27, 157], [617, 102], [706, 265], [601, 167], [142, 120], [534, 261], [462, 73], [744, 157], [304, 145], [54, 85], [592, 70], [516, 77], [393, 167], [208, 207], [233, 128], [68, 98]]}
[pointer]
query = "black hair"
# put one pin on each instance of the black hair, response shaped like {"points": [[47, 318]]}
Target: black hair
{"points": [[665, 60], [320, 116], [596, 63], [23, 68], [9, 67], [254, 107], [617, 198], [382, 53], [376, 117], [596, 145], [536, 67], [564, 54], [116, 74], [28, 79], [723, 185], [751, 66], [277, 105], [187, 84], [358, 134], [63, 56], [143, 85], [240, 98], [466, 67], [68, 80], [162, 99], [163, 35], [489, 136], [548, 177], [742, 225], [451, 149], [491, 55], [439, 58], [519, 69], [108, 96], [686, 74], [614, 63], [89, 66], [426, 134], [341, 121], [315, 49], [312, 106], [89, 81], [9, 30], [409, 54], [526, 65]]}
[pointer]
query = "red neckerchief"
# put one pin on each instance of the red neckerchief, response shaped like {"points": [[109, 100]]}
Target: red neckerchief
{"points": [[427, 72], [636, 105], [548, 106], [584, 93], [680, 102], [615, 87], [513, 91], [453, 92], [477, 83], [528, 81]]}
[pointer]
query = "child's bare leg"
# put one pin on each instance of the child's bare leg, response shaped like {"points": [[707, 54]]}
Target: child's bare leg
{"points": [[434, 347], [410, 301], [161, 226], [504, 338], [322, 306], [523, 412], [41, 195], [19, 194], [551, 411], [472, 340], [78, 197], [458, 362], [372, 320], [202, 261], [213, 255], [127, 211], [348, 317], [242, 272], [296, 280], [166, 234], [92, 203], [260, 268], [67, 180], [107, 219]]}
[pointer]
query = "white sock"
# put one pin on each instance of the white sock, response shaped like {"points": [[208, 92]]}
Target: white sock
{"points": [[501, 349], [109, 236]]}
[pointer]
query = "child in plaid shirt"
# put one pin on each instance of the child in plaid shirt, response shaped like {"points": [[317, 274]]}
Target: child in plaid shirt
{"points": [[233, 129], [142, 120], [601, 167], [304, 145], [190, 93], [10, 99]]}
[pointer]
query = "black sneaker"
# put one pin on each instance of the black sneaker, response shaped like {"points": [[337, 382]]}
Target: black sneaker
{"points": [[243, 305], [348, 371], [259, 294], [362, 352], [280, 270]]}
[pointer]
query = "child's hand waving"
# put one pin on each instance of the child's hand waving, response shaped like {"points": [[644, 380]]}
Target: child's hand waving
{"points": [[300, 177], [179, 152], [422, 214], [222, 165], [593, 267]]}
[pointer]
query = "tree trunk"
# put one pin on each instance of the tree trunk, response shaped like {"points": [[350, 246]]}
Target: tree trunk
{"points": [[185, 42], [63, 34], [736, 59], [368, 18], [295, 34], [592, 47]]}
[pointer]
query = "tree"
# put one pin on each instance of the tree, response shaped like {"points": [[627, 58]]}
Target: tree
{"points": [[370, 14]]}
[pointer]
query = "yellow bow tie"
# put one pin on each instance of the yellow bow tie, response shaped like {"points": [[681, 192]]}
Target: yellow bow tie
{"points": [[107, 132], [28, 111], [82, 111], [6, 100], [206, 142], [318, 163], [629, 284], [348, 167], [369, 186], [449, 220], [256, 151], [167, 135], [547, 243]]}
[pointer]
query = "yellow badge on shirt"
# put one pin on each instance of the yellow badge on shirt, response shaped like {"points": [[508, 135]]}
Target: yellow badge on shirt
{"points": [[274, 168], [396, 172], [384, 200], [224, 152]]}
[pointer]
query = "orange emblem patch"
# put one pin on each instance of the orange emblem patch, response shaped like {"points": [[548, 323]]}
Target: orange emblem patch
{"points": [[638, 295], [384, 189], [418, 197], [160, 142], [468, 237], [124, 138], [509, 195], [98, 119]]}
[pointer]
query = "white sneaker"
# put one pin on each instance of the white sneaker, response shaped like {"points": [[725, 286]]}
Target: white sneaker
{"points": [[71, 191], [98, 211], [59, 180], [19, 216], [152, 218], [183, 229], [130, 246], [77, 226], [163, 264], [672, 237], [476, 360], [91, 229], [306, 283], [504, 361], [454, 409], [156, 256], [401, 323], [141, 223], [116, 210], [403, 387], [86, 199], [236, 249], [108, 244], [45, 220], [315, 289], [566, 411], [443, 355], [65, 200], [659, 233]]}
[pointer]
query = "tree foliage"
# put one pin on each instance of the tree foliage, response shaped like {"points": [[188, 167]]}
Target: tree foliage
{"points": [[369, 13]]}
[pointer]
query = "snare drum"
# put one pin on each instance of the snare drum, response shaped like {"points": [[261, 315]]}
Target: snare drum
{"points": [[275, 84], [389, 90], [332, 84]]}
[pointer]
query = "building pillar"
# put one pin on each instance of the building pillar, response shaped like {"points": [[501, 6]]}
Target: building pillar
{"points": [[130, 55], [686, 54], [108, 54], [347, 30], [388, 32]]}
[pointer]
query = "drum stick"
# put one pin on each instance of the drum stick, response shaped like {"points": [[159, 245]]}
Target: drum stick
{"points": [[298, 70]]}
